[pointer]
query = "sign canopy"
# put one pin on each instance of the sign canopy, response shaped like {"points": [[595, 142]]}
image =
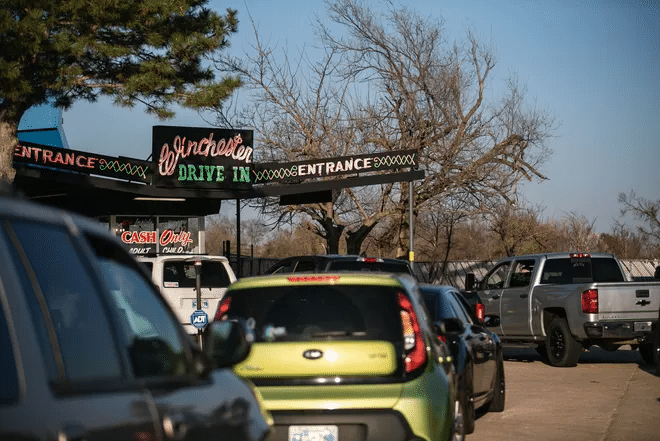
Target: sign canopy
{"points": [[191, 171]]}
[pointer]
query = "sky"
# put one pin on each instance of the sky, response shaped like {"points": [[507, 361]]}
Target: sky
{"points": [[594, 65]]}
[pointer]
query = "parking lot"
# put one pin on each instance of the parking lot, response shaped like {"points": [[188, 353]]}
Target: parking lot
{"points": [[609, 396]]}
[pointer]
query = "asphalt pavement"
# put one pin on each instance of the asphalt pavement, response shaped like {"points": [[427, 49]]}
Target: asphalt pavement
{"points": [[609, 396]]}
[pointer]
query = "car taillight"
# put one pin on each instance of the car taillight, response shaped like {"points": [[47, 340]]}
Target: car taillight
{"points": [[480, 311], [412, 333], [590, 301], [303, 279], [223, 307], [580, 255]]}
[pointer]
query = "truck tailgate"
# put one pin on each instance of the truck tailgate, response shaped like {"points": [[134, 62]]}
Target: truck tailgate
{"points": [[628, 301]]}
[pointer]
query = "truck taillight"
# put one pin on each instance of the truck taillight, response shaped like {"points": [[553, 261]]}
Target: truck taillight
{"points": [[590, 301], [480, 311], [223, 307], [414, 345]]}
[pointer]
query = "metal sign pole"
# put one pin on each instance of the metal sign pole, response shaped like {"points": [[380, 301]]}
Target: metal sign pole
{"points": [[198, 287], [411, 252]]}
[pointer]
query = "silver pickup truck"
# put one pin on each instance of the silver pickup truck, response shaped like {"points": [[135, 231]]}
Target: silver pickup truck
{"points": [[564, 302]]}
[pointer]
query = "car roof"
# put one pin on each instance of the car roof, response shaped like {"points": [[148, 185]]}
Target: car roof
{"points": [[433, 287], [338, 278], [557, 255], [202, 257], [341, 257], [19, 207]]}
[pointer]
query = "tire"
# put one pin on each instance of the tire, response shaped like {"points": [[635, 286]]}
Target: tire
{"points": [[499, 391], [469, 414], [458, 429], [650, 352], [562, 349], [542, 351]]}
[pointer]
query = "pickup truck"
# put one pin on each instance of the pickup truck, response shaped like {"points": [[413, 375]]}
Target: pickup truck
{"points": [[563, 303], [176, 278]]}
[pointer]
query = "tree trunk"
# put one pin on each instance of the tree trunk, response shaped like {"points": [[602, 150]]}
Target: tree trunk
{"points": [[354, 239], [333, 234], [8, 142]]}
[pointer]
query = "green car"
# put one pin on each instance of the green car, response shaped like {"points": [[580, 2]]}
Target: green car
{"points": [[345, 356]]}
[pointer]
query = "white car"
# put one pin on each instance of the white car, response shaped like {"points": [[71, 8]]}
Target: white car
{"points": [[176, 277]]}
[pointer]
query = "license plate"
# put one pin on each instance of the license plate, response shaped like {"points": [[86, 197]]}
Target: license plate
{"points": [[205, 304], [642, 326], [313, 433]]}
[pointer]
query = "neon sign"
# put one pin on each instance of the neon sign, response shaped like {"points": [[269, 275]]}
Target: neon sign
{"points": [[202, 157], [320, 168], [31, 154]]}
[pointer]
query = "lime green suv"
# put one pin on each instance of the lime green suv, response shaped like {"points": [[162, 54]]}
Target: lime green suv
{"points": [[344, 356]]}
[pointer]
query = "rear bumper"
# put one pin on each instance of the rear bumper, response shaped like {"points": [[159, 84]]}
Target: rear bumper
{"points": [[353, 424], [620, 331]]}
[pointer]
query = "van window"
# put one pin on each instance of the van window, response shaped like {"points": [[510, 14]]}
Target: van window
{"points": [[181, 274]]}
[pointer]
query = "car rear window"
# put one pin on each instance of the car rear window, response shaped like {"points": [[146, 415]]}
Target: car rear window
{"points": [[563, 271], [181, 274], [314, 312]]}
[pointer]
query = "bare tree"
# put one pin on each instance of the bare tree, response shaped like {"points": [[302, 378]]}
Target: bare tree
{"points": [[392, 82], [579, 233], [518, 229], [218, 229], [646, 211], [623, 242]]}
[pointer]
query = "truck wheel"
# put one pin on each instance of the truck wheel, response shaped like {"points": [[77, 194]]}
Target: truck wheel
{"points": [[542, 351], [650, 352], [562, 349], [497, 402]]}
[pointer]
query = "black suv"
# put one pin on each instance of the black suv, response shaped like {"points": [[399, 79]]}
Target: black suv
{"points": [[322, 263], [90, 350]]}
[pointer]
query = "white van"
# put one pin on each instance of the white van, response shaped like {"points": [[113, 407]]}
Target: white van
{"points": [[176, 278]]}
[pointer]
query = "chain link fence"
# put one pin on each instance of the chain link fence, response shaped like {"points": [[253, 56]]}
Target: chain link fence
{"points": [[453, 273]]}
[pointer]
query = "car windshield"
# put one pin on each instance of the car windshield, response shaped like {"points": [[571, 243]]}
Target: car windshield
{"points": [[313, 312]]}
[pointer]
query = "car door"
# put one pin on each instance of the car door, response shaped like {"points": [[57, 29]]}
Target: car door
{"points": [[189, 405], [481, 344], [515, 301], [75, 382], [492, 288]]}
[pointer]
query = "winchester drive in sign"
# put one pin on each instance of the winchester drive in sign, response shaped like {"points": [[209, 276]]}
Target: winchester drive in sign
{"points": [[202, 157]]}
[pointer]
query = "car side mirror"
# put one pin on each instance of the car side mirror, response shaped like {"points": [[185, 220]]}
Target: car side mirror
{"points": [[227, 342], [448, 326], [491, 320], [470, 281]]}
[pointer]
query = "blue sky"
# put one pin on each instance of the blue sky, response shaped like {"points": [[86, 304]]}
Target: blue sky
{"points": [[594, 65]]}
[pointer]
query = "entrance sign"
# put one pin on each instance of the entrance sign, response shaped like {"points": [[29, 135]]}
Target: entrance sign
{"points": [[202, 157], [327, 167], [88, 163]]}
